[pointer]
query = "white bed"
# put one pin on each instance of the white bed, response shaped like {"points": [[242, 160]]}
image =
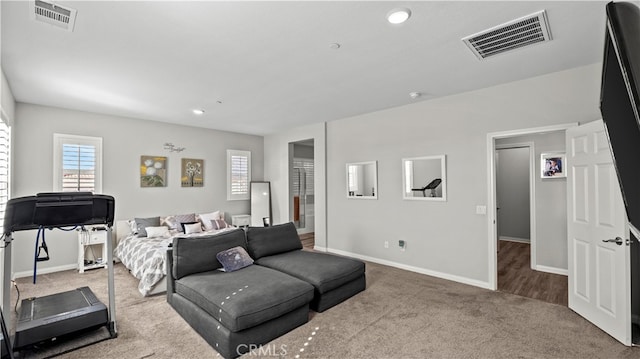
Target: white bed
{"points": [[145, 257]]}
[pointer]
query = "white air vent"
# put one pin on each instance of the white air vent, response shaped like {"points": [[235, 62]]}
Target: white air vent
{"points": [[521, 32], [60, 16]]}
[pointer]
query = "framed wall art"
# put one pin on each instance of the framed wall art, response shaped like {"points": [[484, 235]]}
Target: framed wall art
{"points": [[192, 173], [153, 171], [552, 165]]}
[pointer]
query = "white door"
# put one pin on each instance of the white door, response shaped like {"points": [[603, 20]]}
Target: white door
{"points": [[599, 274]]}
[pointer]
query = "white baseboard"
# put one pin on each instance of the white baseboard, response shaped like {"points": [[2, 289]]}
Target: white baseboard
{"points": [[320, 249], [514, 239], [451, 277], [553, 270], [45, 270]]}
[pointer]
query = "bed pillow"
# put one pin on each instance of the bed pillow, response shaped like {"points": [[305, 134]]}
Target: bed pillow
{"points": [[171, 222], [219, 224], [133, 229], [191, 227], [174, 221], [161, 231], [142, 223], [234, 258], [206, 219]]}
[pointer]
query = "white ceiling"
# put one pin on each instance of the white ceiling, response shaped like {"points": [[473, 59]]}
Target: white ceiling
{"points": [[261, 67]]}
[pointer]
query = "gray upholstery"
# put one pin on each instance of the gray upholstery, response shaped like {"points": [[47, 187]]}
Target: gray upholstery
{"points": [[324, 271], [235, 311], [324, 301], [246, 297], [198, 254], [233, 344], [266, 241]]}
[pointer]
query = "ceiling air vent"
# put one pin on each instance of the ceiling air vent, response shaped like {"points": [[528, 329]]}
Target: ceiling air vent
{"points": [[527, 30], [60, 16]]}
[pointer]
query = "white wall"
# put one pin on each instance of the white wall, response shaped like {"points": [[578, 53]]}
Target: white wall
{"points": [[8, 103], [446, 239], [277, 160], [124, 141]]}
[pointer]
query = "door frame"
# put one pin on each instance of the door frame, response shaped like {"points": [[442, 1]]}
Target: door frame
{"points": [[532, 197], [492, 231]]}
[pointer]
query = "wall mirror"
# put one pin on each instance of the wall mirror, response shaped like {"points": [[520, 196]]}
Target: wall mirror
{"points": [[424, 178], [362, 180], [260, 204]]}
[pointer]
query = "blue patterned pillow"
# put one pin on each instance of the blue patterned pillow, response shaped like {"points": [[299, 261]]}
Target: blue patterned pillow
{"points": [[234, 258]]}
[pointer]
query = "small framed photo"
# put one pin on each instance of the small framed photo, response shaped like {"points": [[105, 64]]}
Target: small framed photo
{"points": [[552, 165]]}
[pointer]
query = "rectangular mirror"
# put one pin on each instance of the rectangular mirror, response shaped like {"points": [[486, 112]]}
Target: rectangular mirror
{"points": [[424, 178], [362, 180], [260, 204]]}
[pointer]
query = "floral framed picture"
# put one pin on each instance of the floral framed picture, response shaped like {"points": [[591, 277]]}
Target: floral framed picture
{"points": [[552, 165], [153, 171], [192, 173]]}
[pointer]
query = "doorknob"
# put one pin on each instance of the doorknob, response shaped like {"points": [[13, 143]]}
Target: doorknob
{"points": [[616, 240]]}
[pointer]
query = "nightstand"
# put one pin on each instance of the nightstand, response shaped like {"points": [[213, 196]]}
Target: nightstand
{"points": [[241, 220], [90, 239]]}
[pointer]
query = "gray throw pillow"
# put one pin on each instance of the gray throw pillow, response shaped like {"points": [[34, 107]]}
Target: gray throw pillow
{"points": [[142, 223], [234, 258]]}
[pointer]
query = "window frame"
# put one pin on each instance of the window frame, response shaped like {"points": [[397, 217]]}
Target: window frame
{"points": [[232, 195], [59, 140]]}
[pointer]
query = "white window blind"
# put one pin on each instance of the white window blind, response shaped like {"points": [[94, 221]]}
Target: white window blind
{"points": [[77, 163], [78, 168], [238, 174], [307, 165], [5, 142]]}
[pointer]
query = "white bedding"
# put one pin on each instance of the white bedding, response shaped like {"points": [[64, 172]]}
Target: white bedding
{"points": [[145, 257]]}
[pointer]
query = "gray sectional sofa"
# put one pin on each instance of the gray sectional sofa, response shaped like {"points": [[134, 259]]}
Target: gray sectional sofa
{"points": [[237, 310]]}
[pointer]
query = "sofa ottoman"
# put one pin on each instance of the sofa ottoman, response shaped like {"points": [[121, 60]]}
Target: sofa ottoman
{"points": [[334, 278]]}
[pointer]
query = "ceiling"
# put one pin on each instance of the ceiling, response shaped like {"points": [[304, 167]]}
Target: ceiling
{"points": [[262, 67]]}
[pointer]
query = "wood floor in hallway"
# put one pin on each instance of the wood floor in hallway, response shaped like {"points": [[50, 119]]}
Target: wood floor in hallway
{"points": [[308, 240], [516, 276]]}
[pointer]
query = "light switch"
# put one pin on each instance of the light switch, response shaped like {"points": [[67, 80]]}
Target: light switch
{"points": [[481, 209]]}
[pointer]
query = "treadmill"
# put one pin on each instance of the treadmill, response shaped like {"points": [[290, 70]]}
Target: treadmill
{"points": [[49, 317]]}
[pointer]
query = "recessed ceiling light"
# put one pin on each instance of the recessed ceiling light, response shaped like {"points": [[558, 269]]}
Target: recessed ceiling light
{"points": [[398, 16], [198, 112], [415, 95], [334, 46]]}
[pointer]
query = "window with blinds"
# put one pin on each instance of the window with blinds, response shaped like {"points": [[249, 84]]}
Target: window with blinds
{"points": [[77, 163], [5, 141], [238, 174], [307, 165], [78, 168]]}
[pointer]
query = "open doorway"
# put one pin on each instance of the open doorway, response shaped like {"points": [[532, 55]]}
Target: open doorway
{"points": [[302, 190], [529, 224]]}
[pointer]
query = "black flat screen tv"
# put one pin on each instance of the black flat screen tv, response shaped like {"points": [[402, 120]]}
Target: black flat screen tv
{"points": [[620, 100]]}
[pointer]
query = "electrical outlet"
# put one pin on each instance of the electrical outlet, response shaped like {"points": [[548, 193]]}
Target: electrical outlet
{"points": [[386, 244]]}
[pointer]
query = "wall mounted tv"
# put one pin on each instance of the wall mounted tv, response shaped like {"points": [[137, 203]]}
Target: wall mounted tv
{"points": [[620, 101]]}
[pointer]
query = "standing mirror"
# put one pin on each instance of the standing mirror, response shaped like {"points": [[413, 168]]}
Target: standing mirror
{"points": [[260, 204], [362, 180], [424, 178]]}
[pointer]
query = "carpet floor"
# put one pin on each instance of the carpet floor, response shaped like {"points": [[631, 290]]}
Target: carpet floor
{"points": [[400, 315]]}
